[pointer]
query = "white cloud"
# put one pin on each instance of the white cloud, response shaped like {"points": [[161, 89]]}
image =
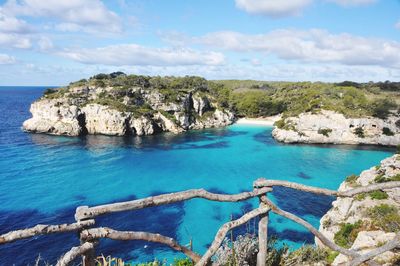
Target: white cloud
{"points": [[11, 24], [132, 54], [15, 41], [309, 46], [348, 3], [273, 8], [397, 25], [45, 44], [89, 15], [7, 59]]}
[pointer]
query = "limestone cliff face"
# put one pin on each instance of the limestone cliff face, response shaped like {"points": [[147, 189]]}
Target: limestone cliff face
{"points": [[335, 128], [369, 232], [134, 111]]}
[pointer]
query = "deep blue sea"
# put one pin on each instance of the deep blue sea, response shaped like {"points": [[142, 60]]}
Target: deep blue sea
{"points": [[44, 178]]}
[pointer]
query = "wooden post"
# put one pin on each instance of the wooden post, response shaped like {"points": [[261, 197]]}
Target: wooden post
{"points": [[262, 236], [88, 258]]}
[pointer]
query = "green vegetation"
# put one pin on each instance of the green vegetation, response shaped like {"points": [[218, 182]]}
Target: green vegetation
{"points": [[347, 234], [324, 131], [385, 217], [350, 98], [258, 98], [378, 195], [359, 132], [351, 179], [382, 178], [386, 131]]}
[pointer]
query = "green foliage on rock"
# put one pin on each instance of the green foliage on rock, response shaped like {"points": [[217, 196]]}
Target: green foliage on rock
{"points": [[386, 131], [386, 217], [359, 132], [351, 179], [347, 234], [324, 131], [259, 98]]}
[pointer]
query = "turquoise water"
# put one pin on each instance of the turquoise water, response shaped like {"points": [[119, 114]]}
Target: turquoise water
{"points": [[43, 178]]}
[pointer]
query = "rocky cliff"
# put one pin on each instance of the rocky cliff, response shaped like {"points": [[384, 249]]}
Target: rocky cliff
{"points": [[125, 110], [368, 220], [335, 128]]}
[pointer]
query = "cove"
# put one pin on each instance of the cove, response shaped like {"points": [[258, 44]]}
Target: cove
{"points": [[44, 178]]}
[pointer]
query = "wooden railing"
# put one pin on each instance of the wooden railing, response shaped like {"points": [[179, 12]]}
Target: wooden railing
{"points": [[90, 235]]}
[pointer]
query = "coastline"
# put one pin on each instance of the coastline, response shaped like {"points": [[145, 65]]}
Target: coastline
{"points": [[262, 121]]}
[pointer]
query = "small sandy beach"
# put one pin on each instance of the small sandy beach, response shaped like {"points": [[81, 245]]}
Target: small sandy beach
{"points": [[264, 121]]}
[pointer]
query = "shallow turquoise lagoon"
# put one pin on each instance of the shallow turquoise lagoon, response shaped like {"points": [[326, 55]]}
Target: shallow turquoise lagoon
{"points": [[44, 178]]}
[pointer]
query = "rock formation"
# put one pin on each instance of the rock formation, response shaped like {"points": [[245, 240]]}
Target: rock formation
{"points": [[119, 111], [369, 220], [335, 128]]}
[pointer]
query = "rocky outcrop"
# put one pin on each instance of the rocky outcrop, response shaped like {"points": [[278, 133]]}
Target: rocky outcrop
{"points": [[115, 111], [355, 214], [335, 128]]}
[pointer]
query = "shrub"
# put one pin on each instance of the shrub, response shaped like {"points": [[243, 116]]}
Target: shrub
{"points": [[359, 132], [324, 131], [307, 254], [381, 178], [385, 217], [347, 234], [351, 179], [281, 123], [378, 195], [332, 256], [382, 107], [398, 149], [386, 131]]}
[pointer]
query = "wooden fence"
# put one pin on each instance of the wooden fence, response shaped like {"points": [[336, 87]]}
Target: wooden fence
{"points": [[90, 235]]}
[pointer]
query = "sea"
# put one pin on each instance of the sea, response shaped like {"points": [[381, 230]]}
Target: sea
{"points": [[44, 178]]}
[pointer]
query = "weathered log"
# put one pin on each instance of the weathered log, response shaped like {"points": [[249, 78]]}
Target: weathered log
{"points": [[221, 234], [84, 212], [104, 232], [262, 182], [74, 252], [262, 235], [315, 232], [42, 229], [394, 243]]}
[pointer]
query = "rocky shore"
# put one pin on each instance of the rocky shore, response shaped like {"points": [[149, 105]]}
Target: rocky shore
{"points": [[369, 220], [334, 128], [120, 111]]}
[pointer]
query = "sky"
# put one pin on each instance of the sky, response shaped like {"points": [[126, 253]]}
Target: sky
{"points": [[54, 42]]}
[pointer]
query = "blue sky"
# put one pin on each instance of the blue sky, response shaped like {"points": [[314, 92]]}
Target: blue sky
{"points": [[53, 42]]}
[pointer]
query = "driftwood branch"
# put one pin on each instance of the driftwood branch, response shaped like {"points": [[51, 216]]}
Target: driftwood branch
{"points": [[85, 212], [74, 252], [103, 232], [42, 229], [262, 182], [394, 243], [221, 234]]}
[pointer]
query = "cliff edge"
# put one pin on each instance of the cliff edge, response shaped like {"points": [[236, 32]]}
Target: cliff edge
{"points": [[128, 105], [334, 128], [368, 220]]}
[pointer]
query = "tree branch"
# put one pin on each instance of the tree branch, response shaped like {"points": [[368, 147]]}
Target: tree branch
{"points": [[74, 252], [84, 212], [262, 182], [104, 232], [42, 229], [372, 254], [221, 234]]}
